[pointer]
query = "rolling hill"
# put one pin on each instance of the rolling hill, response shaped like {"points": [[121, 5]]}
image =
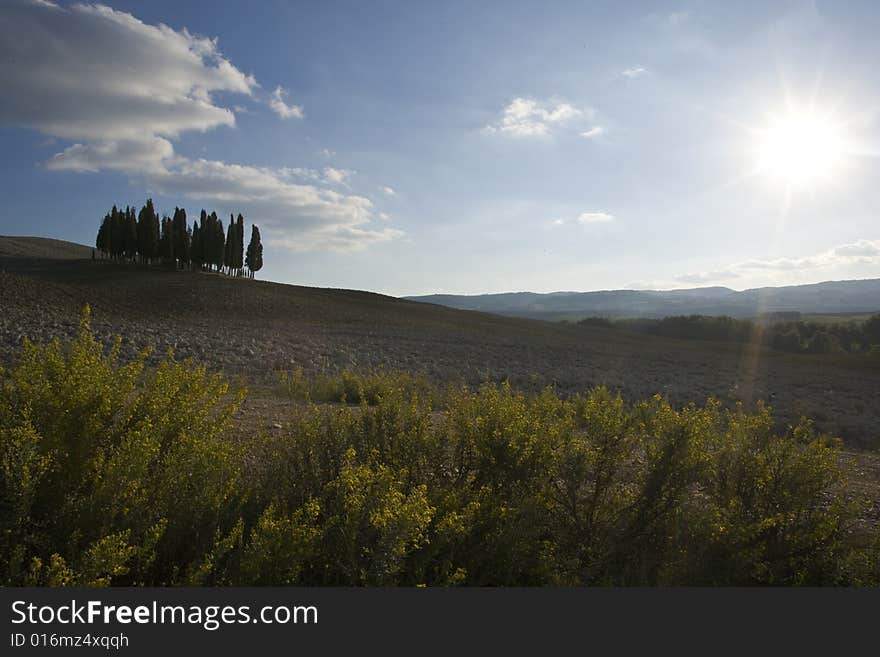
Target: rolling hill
{"points": [[857, 296], [41, 247], [251, 329]]}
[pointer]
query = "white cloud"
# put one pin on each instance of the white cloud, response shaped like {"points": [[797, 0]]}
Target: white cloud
{"points": [[300, 172], [706, 277], [328, 175], [634, 72], [592, 133], [584, 218], [89, 72], [282, 109], [296, 216], [529, 117], [122, 90], [337, 176], [131, 156], [868, 249], [594, 218], [388, 191], [860, 252]]}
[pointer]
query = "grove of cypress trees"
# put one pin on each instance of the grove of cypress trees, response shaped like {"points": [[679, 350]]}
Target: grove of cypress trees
{"points": [[131, 234]]}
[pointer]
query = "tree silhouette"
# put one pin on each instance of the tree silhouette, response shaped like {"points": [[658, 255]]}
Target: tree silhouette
{"points": [[102, 242], [254, 258], [196, 246], [219, 247], [239, 245], [181, 238], [130, 235], [148, 232], [166, 242]]}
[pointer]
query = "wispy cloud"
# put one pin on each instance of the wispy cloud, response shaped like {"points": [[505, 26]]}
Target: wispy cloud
{"points": [[680, 31], [702, 278], [388, 191], [593, 133], [860, 252], [281, 108], [329, 175], [594, 218], [337, 176], [584, 218], [634, 72], [529, 117]]}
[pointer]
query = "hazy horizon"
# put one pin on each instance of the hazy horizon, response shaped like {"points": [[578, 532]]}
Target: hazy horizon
{"points": [[458, 149], [636, 289]]}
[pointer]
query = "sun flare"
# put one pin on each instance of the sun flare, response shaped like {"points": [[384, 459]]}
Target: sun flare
{"points": [[800, 148]]}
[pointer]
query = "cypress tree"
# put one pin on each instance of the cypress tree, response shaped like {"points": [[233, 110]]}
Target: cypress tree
{"points": [[131, 234], [196, 246], [204, 238], [219, 247], [103, 240], [148, 232], [229, 250], [166, 242], [254, 259], [239, 245], [117, 237], [180, 237]]}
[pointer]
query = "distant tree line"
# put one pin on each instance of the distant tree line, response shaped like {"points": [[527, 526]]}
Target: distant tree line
{"points": [[127, 235], [792, 336]]}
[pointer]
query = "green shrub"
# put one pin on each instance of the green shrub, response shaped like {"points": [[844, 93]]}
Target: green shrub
{"points": [[356, 387], [111, 474]]}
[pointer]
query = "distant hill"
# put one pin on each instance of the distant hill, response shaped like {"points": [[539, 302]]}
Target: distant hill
{"points": [[859, 296]]}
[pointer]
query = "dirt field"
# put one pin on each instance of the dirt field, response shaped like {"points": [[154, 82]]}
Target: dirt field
{"points": [[255, 329]]}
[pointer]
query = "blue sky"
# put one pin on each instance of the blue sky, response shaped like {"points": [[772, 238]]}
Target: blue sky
{"points": [[420, 147]]}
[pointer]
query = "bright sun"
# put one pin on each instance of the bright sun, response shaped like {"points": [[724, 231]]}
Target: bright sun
{"points": [[800, 148]]}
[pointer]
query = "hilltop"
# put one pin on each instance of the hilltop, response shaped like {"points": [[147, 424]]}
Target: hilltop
{"points": [[253, 329], [42, 248]]}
